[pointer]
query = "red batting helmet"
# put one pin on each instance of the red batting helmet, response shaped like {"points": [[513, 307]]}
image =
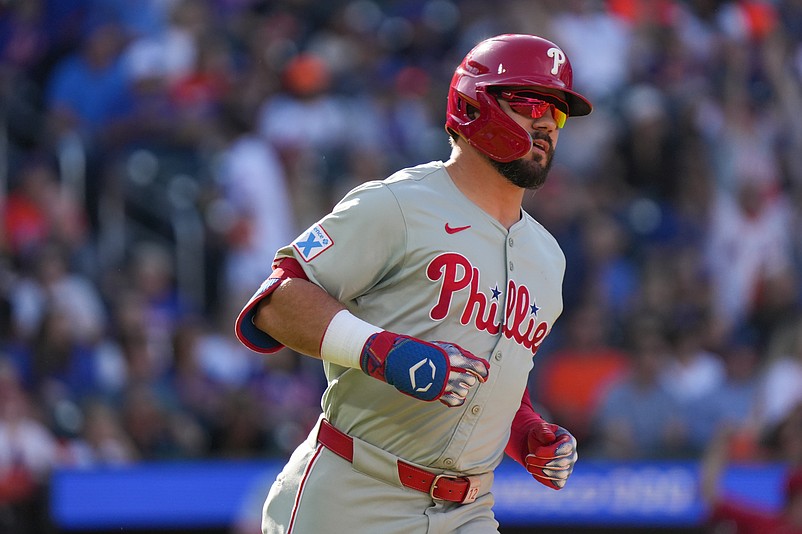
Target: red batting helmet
{"points": [[511, 60]]}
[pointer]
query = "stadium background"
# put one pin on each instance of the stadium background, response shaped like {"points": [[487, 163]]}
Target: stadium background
{"points": [[155, 153]]}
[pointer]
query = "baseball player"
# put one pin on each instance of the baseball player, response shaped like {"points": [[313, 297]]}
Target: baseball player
{"points": [[426, 296]]}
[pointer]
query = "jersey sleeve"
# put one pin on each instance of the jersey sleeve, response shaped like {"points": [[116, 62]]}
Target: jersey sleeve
{"points": [[357, 245]]}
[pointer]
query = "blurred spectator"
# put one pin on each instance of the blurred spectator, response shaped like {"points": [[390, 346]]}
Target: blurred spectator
{"points": [[638, 418], [64, 366], [25, 47], [572, 380], [140, 17], [28, 453], [92, 435], [733, 404], [40, 210], [610, 273], [103, 439], [87, 91], [255, 210], [173, 77], [199, 93], [736, 516], [749, 250], [162, 306], [23, 41], [13, 347], [781, 387], [51, 287], [196, 391], [649, 151], [289, 390], [309, 126], [239, 430], [406, 128], [88, 106], [783, 440], [222, 358], [157, 429], [692, 371], [151, 120]]}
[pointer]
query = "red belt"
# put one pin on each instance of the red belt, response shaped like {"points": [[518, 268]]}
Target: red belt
{"points": [[440, 487]]}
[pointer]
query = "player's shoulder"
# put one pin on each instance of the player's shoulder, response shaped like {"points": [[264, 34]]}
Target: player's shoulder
{"points": [[411, 182], [407, 176], [425, 172], [426, 181], [543, 234]]}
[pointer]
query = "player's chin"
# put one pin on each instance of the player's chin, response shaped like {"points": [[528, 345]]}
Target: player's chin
{"points": [[525, 172], [541, 158], [535, 173], [539, 155]]}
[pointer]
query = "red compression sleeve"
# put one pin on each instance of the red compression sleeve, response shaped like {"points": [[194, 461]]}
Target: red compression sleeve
{"points": [[526, 416], [290, 268]]}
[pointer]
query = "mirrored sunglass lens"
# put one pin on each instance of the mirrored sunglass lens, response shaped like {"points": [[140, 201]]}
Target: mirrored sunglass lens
{"points": [[551, 99], [559, 117], [532, 109], [537, 109]]}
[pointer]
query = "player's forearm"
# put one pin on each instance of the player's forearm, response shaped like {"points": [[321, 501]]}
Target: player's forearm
{"points": [[297, 314]]}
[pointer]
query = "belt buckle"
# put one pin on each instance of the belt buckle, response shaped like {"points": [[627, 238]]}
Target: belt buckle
{"points": [[471, 492], [434, 486]]}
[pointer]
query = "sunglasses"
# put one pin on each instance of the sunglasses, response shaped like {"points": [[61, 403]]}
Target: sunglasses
{"points": [[535, 105]]}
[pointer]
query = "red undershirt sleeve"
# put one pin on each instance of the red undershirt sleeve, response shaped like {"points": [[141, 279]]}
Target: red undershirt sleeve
{"points": [[525, 418]]}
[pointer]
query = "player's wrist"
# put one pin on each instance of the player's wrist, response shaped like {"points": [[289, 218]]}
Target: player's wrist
{"points": [[344, 339]]}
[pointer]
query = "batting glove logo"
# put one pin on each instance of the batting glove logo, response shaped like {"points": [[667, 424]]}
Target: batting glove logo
{"points": [[414, 370]]}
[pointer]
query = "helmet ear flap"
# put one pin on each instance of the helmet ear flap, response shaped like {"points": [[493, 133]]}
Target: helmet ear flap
{"points": [[492, 131]]}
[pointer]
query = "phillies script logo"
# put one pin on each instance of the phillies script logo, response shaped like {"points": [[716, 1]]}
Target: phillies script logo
{"points": [[520, 316]]}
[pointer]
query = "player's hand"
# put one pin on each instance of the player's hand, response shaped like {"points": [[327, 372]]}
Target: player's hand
{"points": [[552, 455], [427, 371]]}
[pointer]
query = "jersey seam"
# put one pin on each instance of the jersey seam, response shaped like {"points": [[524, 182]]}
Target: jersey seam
{"points": [[405, 259]]}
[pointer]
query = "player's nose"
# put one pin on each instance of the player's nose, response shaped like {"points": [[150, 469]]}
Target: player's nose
{"points": [[546, 123]]}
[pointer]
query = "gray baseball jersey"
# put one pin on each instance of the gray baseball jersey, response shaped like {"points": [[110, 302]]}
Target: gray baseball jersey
{"points": [[413, 255]]}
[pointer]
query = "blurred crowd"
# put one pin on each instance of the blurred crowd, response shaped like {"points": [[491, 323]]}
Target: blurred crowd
{"points": [[155, 153]]}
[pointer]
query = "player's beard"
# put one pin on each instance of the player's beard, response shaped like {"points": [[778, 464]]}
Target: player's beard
{"points": [[528, 173]]}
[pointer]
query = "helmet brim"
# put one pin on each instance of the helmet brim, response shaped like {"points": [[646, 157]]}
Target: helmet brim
{"points": [[578, 105]]}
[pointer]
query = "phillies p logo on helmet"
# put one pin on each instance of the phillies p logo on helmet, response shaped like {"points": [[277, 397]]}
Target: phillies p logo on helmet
{"points": [[559, 58]]}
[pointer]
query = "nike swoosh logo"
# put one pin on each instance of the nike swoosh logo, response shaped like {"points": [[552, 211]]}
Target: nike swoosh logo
{"points": [[455, 229]]}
